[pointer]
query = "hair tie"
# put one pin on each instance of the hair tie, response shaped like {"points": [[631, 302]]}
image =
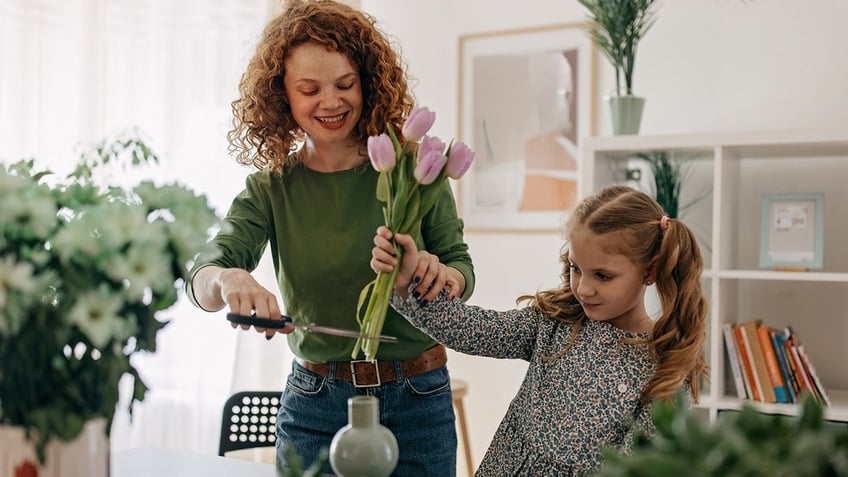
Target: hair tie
{"points": [[664, 222]]}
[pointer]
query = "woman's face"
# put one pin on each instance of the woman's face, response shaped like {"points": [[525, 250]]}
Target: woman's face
{"points": [[610, 287], [324, 93]]}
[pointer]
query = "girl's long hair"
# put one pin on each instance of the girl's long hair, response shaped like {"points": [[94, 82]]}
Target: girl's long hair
{"points": [[679, 333]]}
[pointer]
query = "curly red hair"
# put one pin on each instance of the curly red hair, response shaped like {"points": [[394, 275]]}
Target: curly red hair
{"points": [[264, 132]]}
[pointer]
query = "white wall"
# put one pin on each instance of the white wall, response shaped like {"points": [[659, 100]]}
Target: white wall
{"points": [[706, 66]]}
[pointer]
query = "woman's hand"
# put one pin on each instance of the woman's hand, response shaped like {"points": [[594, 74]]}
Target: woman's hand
{"points": [[417, 266], [238, 290]]}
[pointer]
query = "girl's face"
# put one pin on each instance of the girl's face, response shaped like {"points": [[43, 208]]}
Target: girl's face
{"points": [[324, 93], [610, 287]]}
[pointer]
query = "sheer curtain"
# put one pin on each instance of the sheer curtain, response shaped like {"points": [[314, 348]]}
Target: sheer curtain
{"points": [[75, 71]]}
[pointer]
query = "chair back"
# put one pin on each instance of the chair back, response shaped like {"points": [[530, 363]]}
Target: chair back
{"points": [[249, 420]]}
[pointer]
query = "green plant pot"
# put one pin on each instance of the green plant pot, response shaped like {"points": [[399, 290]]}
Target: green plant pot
{"points": [[624, 114]]}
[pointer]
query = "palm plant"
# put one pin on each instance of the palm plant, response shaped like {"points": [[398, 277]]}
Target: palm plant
{"points": [[616, 26], [670, 171]]}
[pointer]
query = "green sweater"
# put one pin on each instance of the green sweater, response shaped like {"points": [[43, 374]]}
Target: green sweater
{"points": [[320, 227]]}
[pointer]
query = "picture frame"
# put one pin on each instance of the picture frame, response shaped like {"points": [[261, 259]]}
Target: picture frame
{"points": [[791, 231], [526, 101]]}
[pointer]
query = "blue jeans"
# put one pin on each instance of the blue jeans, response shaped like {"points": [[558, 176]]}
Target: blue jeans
{"points": [[418, 410]]}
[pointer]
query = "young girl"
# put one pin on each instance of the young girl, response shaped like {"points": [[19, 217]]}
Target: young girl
{"points": [[323, 79], [597, 360]]}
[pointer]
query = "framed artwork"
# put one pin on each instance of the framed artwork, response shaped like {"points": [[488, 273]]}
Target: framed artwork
{"points": [[526, 100], [791, 231]]}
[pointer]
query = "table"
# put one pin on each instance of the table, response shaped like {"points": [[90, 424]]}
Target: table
{"points": [[158, 462]]}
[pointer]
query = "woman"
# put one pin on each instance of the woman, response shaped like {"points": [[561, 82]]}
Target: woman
{"points": [[323, 79]]}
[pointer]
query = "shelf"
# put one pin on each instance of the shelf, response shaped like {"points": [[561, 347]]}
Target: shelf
{"points": [[739, 169], [750, 144], [837, 411], [777, 275]]}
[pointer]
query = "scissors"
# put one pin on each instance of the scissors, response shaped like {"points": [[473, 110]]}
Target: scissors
{"points": [[286, 320]]}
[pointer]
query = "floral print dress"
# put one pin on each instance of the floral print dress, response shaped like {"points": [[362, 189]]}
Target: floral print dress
{"points": [[567, 408]]}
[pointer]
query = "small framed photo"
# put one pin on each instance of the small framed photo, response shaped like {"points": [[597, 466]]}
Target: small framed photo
{"points": [[791, 231]]}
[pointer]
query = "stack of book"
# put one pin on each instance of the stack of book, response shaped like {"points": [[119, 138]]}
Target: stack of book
{"points": [[770, 365]]}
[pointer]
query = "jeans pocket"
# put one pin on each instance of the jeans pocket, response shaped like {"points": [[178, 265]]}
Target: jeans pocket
{"points": [[304, 382], [430, 383]]}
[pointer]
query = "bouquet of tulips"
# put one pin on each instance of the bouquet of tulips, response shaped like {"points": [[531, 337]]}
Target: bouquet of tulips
{"points": [[411, 174]]}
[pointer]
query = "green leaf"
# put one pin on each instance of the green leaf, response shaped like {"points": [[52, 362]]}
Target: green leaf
{"points": [[383, 187]]}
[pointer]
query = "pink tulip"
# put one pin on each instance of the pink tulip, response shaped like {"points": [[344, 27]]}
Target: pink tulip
{"points": [[420, 121], [430, 143], [381, 151], [459, 160], [429, 166]]}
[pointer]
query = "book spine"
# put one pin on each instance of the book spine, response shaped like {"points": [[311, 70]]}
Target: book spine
{"points": [[759, 362], [745, 351], [734, 360], [800, 369], [773, 368], [780, 353], [822, 392]]}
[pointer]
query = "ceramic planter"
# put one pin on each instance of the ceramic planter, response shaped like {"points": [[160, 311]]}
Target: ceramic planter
{"points": [[85, 456], [624, 113]]}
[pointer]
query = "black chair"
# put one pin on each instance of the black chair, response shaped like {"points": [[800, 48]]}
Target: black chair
{"points": [[249, 420]]}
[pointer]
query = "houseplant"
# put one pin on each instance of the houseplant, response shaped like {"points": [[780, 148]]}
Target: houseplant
{"points": [[670, 170], [740, 443], [85, 270], [616, 26]]}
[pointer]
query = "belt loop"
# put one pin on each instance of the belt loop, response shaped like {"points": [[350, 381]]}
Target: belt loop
{"points": [[398, 369], [331, 375]]}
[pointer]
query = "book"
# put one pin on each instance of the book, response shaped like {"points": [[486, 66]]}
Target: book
{"points": [[783, 363], [770, 357], [815, 382], [734, 360], [748, 363], [800, 371], [758, 360]]}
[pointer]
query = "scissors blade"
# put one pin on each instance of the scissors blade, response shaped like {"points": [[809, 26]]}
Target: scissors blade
{"points": [[286, 320], [329, 330]]}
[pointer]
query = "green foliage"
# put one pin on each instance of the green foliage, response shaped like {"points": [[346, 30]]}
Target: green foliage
{"points": [[294, 464], [670, 171], [85, 270], [616, 26], [740, 443]]}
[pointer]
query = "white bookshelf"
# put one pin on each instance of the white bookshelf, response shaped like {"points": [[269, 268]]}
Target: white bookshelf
{"points": [[736, 169]]}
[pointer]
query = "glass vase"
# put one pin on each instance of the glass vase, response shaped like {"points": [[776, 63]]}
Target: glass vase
{"points": [[364, 447]]}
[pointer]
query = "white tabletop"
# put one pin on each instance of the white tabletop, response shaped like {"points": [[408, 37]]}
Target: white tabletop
{"points": [[156, 462]]}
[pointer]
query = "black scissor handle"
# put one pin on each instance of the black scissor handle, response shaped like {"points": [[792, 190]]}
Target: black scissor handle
{"points": [[259, 322]]}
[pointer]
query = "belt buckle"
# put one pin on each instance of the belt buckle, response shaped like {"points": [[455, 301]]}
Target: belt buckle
{"points": [[376, 365]]}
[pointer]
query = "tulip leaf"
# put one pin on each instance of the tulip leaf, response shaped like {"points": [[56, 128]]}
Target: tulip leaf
{"points": [[383, 187]]}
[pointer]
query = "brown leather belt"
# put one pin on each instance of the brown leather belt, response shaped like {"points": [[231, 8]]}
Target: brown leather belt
{"points": [[374, 373]]}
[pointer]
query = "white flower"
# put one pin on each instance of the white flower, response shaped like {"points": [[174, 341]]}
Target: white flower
{"points": [[16, 281], [15, 276], [143, 266], [96, 314]]}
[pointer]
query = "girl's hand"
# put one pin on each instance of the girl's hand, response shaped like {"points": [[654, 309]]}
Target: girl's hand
{"points": [[422, 268]]}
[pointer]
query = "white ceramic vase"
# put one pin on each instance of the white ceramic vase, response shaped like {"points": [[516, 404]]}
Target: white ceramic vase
{"points": [[364, 447], [85, 456]]}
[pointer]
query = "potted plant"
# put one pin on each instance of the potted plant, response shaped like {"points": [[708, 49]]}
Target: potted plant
{"points": [[616, 26], [746, 443], [85, 270], [670, 170]]}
